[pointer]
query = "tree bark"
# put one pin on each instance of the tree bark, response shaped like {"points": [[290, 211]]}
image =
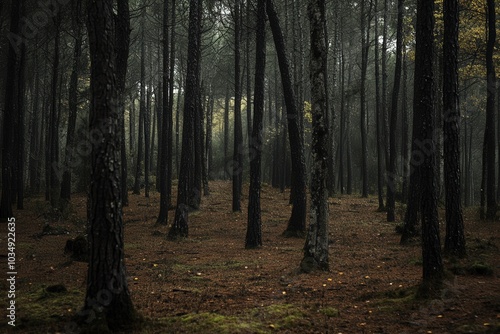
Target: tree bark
{"points": [[73, 104], [316, 247], [424, 106], [253, 237], [237, 164], [165, 123], [490, 150], [180, 225], [107, 299], [297, 223], [8, 118], [391, 168], [455, 239]]}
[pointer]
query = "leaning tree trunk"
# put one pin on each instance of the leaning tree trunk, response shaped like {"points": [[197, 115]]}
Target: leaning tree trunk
{"points": [[107, 303], [297, 223], [316, 247]]}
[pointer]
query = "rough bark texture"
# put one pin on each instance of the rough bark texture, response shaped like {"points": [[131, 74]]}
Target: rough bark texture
{"points": [[107, 299], [316, 247], [253, 237], [179, 227], [455, 240], [424, 106], [297, 222]]}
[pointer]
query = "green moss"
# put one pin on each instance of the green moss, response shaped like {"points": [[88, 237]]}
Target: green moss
{"points": [[259, 320], [41, 307], [480, 269], [330, 312]]}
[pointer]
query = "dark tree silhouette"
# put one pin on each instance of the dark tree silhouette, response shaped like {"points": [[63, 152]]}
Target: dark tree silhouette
{"points": [[237, 165], [106, 282], [297, 223], [179, 227], [8, 121], [454, 243], [316, 247], [165, 124], [424, 106], [72, 102], [253, 237], [391, 168], [489, 132], [122, 33]]}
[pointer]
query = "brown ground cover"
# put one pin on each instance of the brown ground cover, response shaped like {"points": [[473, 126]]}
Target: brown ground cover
{"points": [[209, 283]]}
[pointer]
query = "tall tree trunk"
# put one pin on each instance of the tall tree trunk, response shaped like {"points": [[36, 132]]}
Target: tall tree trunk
{"points": [[54, 192], [8, 118], [455, 239], [405, 128], [165, 123], [107, 296], [237, 167], [391, 168], [227, 163], [365, 37], [197, 180], [297, 223], [34, 155], [316, 247], [142, 112], [171, 78], [378, 119], [248, 77], [73, 105], [253, 236], [424, 106], [490, 150], [20, 136], [179, 227]]}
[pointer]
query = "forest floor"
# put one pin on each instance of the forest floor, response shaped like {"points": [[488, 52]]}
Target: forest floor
{"points": [[209, 283]]}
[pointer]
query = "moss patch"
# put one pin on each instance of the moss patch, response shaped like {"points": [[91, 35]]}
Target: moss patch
{"points": [[47, 305]]}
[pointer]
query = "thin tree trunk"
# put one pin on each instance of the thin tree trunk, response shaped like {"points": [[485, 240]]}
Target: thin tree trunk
{"points": [[237, 166], [253, 237], [165, 121], [391, 168], [490, 150], [73, 105]]}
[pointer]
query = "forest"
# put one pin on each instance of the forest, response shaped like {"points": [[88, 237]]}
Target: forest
{"points": [[250, 166]]}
